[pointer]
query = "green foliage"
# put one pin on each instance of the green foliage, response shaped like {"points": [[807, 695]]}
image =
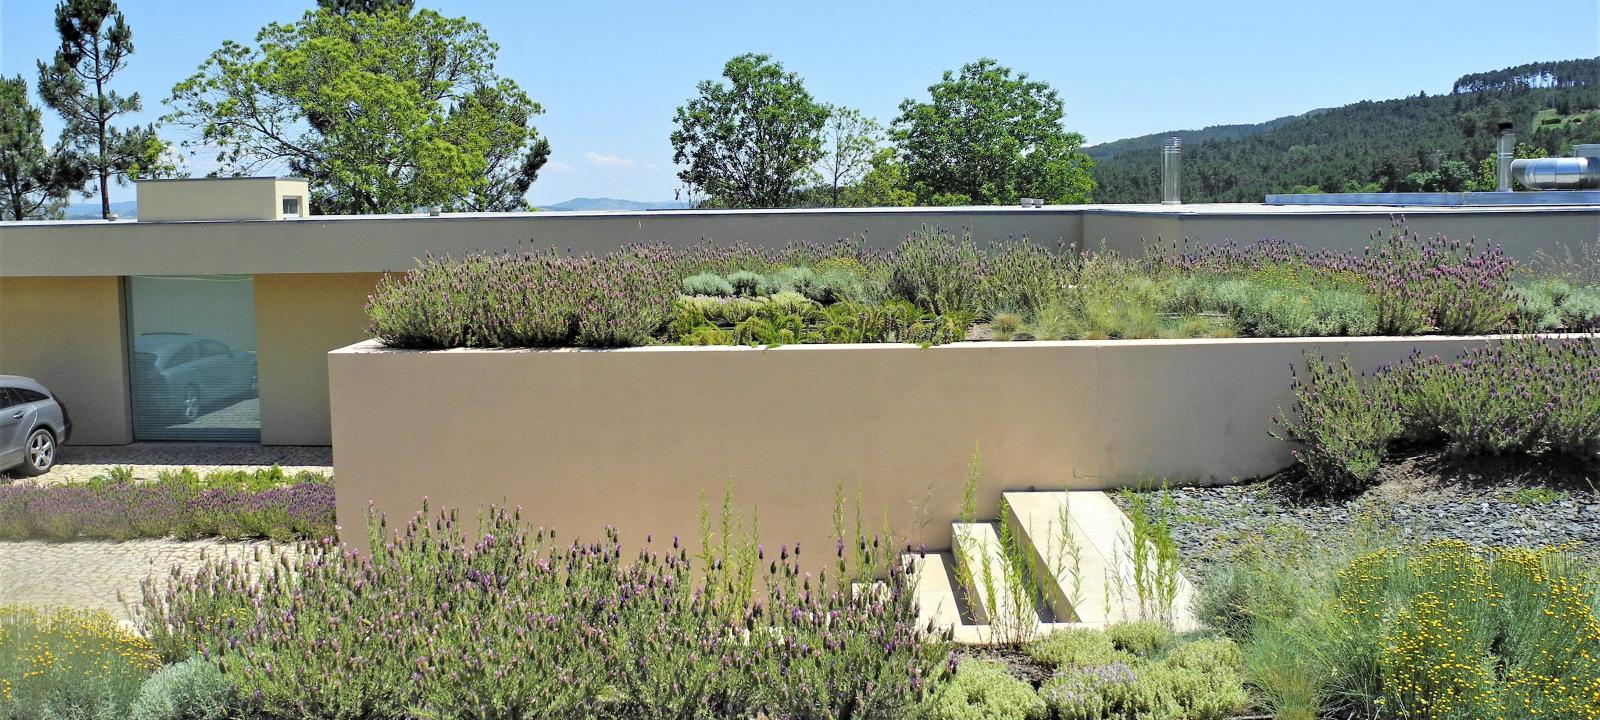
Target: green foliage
{"points": [[1442, 630], [69, 664], [983, 690], [514, 623], [1341, 425], [850, 144], [1152, 554], [1199, 680], [791, 280], [883, 185], [95, 44], [382, 111], [1552, 304], [190, 690], [990, 136], [35, 180], [1075, 647], [745, 283], [710, 284], [936, 271], [1143, 638], [751, 141]]}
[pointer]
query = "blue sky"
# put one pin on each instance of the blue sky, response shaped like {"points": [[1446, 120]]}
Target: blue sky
{"points": [[609, 74]]}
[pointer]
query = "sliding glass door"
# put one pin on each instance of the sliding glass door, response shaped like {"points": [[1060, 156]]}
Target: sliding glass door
{"points": [[192, 358]]}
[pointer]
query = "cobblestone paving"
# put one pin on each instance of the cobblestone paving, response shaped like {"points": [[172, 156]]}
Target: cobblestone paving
{"points": [[92, 575], [81, 462]]}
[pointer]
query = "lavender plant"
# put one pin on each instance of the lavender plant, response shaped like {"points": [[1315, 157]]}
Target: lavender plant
{"points": [[1526, 394], [505, 622], [182, 505]]}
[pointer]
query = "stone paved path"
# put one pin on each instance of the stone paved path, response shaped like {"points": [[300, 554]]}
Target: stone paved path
{"points": [[92, 574], [82, 462]]}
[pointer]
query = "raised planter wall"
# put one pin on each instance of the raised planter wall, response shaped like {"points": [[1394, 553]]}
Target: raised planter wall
{"points": [[631, 438]]}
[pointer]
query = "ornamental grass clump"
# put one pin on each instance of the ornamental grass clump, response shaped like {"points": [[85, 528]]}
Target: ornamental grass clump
{"points": [[69, 664], [505, 622]]}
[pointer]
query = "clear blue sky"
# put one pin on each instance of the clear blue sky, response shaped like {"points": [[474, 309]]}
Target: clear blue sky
{"points": [[609, 74]]}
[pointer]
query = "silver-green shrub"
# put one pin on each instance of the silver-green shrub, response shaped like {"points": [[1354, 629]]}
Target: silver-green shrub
{"points": [[708, 284], [190, 690]]}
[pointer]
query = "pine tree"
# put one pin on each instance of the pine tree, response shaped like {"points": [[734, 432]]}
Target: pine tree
{"points": [[35, 181], [95, 44]]}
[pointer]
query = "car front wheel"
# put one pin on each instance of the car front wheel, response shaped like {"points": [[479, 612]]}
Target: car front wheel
{"points": [[40, 453]]}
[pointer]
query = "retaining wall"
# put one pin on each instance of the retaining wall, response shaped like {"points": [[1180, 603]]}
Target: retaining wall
{"points": [[632, 438]]}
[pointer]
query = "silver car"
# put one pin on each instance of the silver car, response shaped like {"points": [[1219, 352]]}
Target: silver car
{"points": [[33, 424]]}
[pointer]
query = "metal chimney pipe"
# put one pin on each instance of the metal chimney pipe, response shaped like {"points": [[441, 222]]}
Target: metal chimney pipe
{"points": [[1171, 166], [1505, 152]]}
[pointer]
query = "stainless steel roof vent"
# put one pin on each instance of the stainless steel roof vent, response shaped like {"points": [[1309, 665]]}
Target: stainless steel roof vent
{"points": [[1171, 167], [1581, 172], [1505, 153]]}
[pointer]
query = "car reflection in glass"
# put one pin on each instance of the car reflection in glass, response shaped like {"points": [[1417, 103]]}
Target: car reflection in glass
{"points": [[180, 377]]}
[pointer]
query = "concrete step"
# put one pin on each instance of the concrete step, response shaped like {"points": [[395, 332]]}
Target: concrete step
{"points": [[991, 597], [1072, 569], [1097, 592], [1109, 530]]}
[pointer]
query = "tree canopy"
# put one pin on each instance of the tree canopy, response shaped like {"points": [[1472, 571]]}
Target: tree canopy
{"points": [[35, 180], [751, 141], [95, 44], [382, 111], [990, 136]]}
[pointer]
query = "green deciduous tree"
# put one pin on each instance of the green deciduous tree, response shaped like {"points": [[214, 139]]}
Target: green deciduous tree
{"points": [[850, 140], [752, 141], [95, 44], [35, 180], [883, 185], [991, 136], [382, 111], [346, 7]]}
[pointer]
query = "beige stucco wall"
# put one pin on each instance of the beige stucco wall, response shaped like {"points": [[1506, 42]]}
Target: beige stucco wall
{"points": [[1522, 234], [631, 438], [189, 199], [299, 318], [68, 334], [319, 244]]}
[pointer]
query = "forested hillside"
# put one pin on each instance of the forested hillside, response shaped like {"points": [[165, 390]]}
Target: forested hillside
{"points": [[1106, 151], [1419, 143]]}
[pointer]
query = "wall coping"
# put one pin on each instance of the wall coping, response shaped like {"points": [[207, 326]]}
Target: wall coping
{"points": [[373, 347]]}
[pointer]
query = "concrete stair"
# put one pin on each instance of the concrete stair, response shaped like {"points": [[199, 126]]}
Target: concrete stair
{"points": [[1060, 560]]}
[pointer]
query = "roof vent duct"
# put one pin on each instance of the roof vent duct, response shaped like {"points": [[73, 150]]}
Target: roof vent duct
{"points": [[1171, 167], [1581, 172]]}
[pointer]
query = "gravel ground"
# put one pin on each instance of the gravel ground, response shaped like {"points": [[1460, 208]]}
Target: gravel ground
{"points": [[104, 575], [81, 462], [1511, 502]]}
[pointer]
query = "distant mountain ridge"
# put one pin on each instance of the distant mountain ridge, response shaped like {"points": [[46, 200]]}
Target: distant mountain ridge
{"points": [[126, 209], [599, 204]]}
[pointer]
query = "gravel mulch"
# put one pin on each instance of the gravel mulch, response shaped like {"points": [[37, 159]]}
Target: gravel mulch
{"points": [[1423, 496]]}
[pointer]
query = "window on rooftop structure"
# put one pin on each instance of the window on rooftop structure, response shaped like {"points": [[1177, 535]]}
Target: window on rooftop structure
{"points": [[291, 206]]}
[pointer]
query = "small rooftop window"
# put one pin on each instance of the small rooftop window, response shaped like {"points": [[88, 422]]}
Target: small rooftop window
{"points": [[291, 206]]}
